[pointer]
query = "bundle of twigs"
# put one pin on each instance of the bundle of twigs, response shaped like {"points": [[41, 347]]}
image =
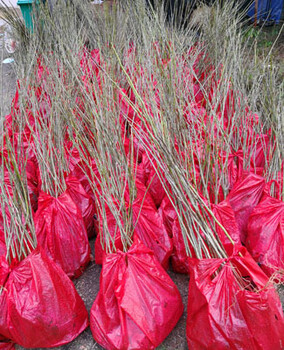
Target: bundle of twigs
{"points": [[17, 219]]}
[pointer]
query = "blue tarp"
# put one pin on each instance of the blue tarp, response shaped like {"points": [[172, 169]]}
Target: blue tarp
{"points": [[268, 10]]}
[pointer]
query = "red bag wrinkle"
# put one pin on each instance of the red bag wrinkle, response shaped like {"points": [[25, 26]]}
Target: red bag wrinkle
{"points": [[224, 315], [138, 304], [243, 198], [84, 202], [61, 233], [40, 306], [265, 239]]}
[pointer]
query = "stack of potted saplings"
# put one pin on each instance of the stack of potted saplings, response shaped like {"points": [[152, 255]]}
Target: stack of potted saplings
{"points": [[149, 141], [225, 282], [130, 250], [36, 296]]}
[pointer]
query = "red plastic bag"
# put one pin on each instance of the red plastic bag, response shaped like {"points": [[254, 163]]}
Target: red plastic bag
{"points": [[80, 170], [31, 171], [84, 202], [224, 315], [226, 217], [138, 305], [179, 258], [153, 183], [40, 306], [149, 226], [265, 239], [3, 249], [114, 232], [260, 149], [244, 196], [134, 146], [6, 345], [61, 233], [168, 214]]}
